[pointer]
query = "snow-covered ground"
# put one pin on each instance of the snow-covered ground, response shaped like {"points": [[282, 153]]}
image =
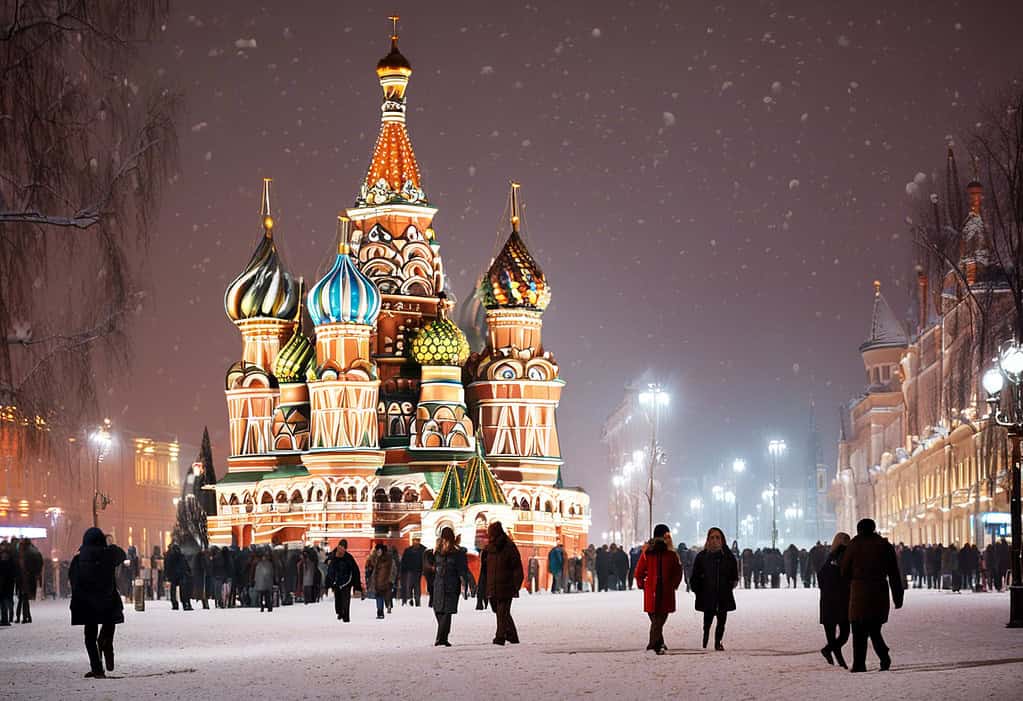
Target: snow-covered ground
{"points": [[944, 646]]}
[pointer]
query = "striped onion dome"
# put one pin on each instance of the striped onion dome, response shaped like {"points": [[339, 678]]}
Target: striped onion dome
{"points": [[515, 280], [294, 358], [264, 289], [344, 294]]}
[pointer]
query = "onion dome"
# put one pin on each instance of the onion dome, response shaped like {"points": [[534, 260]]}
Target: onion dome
{"points": [[265, 288], [344, 294], [514, 279], [440, 342], [294, 359]]}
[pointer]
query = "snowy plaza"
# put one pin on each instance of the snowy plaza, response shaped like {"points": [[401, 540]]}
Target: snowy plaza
{"points": [[577, 645]]}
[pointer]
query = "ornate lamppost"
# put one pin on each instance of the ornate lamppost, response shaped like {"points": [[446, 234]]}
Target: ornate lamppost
{"points": [[1007, 375]]}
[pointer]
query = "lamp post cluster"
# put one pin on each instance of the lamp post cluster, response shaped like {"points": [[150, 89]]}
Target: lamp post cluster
{"points": [[1004, 386]]}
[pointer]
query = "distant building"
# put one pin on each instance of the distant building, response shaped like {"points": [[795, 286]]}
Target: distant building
{"points": [[386, 427], [47, 487], [915, 452]]}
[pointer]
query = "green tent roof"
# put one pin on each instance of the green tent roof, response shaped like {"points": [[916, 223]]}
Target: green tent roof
{"points": [[481, 486], [450, 494]]}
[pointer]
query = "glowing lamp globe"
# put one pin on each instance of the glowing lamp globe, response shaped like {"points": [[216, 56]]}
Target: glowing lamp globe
{"points": [[993, 381], [1012, 361]]}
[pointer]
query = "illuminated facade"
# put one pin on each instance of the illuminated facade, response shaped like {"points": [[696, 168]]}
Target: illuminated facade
{"points": [[47, 486], [916, 453], [384, 424]]}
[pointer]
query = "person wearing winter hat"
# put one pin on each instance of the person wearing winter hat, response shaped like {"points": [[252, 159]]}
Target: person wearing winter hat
{"points": [[95, 602], [658, 574]]}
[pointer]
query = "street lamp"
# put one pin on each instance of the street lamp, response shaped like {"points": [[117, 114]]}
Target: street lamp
{"points": [[696, 506], [102, 438], [656, 397], [1009, 370], [776, 448], [738, 468]]}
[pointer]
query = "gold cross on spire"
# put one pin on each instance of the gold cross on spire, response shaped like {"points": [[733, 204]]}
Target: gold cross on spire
{"points": [[394, 26], [515, 206]]}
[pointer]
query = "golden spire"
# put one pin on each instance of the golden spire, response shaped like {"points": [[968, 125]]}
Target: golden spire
{"points": [[877, 288], [394, 28], [515, 206], [264, 210], [343, 228], [301, 298]]}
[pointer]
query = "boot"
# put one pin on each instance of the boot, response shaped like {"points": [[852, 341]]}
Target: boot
{"points": [[886, 661], [840, 660], [826, 651], [706, 637]]}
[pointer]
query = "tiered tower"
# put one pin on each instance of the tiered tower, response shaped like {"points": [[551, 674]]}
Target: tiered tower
{"points": [[343, 389], [395, 243], [263, 303]]}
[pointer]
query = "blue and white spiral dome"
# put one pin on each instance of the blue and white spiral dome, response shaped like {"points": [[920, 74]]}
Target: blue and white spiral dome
{"points": [[344, 295]]}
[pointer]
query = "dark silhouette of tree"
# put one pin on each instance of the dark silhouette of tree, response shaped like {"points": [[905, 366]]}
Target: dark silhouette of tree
{"points": [[87, 141]]}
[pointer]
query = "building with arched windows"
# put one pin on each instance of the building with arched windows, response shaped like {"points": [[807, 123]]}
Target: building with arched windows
{"points": [[383, 424]]}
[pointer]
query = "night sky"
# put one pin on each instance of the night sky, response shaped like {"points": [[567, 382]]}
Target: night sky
{"points": [[710, 189]]}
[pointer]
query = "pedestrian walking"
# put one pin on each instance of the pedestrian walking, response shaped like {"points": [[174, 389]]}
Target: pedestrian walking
{"points": [[8, 576], [834, 601], [179, 574], [872, 568], [343, 576], [95, 602], [412, 573], [383, 578], [450, 571], [30, 569], [555, 562], [715, 574], [504, 579], [659, 574]]}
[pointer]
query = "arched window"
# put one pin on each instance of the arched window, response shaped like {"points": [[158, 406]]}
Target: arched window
{"points": [[354, 495], [410, 496], [296, 497], [364, 496], [394, 496], [266, 498], [380, 496]]}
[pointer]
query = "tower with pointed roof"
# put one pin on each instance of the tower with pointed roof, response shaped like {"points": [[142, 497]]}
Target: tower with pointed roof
{"points": [[514, 385], [884, 347], [394, 241]]}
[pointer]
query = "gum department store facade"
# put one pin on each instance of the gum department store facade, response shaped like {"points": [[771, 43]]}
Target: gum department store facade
{"points": [[382, 426], [916, 453]]}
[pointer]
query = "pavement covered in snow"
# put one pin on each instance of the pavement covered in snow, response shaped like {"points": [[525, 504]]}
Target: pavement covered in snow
{"points": [[944, 646]]}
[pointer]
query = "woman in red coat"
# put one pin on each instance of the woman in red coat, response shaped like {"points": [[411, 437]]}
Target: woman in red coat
{"points": [[658, 574]]}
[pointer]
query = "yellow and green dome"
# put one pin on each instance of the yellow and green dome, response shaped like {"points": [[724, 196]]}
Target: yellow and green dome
{"points": [[440, 342], [294, 359]]}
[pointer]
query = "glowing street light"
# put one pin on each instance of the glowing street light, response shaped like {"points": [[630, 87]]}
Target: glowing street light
{"points": [[655, 397], [776, 448]]}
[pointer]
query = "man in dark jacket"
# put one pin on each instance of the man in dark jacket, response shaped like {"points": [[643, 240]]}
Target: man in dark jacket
{"points": [[621, 565], [504, 579], [179, 575], [658, 574], [634, 553], [603, 566], [343, 576], [412, 573], [834, 601], [872, 567], [30, 569], [791, 558], [95, 602], [746, 566], [555, 567]]}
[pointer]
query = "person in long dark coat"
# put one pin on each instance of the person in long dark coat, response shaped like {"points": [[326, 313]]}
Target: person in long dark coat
{"points": [[179, 574], [834, 601], [450, 572], [715, 574], [8, 575], [602, 563], [30, 568], [872, 567], [95, 602], [658, 573], [504, 579], [481, 585]]}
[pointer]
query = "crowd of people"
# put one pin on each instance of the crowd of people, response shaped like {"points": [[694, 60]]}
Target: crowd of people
{"points": [[854, 576]]}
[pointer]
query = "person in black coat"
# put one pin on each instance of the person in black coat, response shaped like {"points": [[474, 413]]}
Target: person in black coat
{"points": [[95, 602], [343, 576], [450, 571], [481, 585], [8, 576], [715, 574], [412, 573], [179, 574], [603, 567], [834, 601]]}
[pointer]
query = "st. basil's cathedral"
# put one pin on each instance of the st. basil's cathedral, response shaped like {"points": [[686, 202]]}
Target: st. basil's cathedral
{"points": [[383, 425]]}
